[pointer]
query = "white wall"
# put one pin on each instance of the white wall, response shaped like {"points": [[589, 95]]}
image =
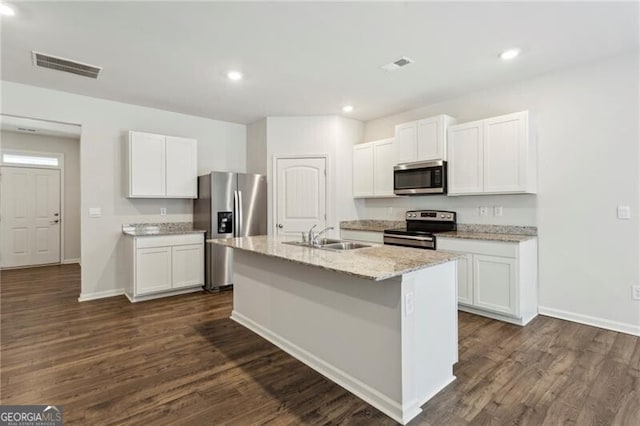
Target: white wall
{"points": [[257, 147], [586, 120], [221, 146], [330, 135], [70, 148]]}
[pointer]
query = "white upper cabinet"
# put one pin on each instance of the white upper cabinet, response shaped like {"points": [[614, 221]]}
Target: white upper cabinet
{"points": [[373, 169], [147, 153], [162, 166], [492, 156], [465, 164], [406, 141], [182, 167], [363, 170], [383, 162], [422, 140], [505, 153]]}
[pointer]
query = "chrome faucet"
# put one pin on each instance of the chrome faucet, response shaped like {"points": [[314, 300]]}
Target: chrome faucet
{"points": [[310, 236], [314, 241]]}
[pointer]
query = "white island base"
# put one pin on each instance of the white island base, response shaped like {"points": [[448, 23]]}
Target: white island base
{"points": [[392, 343]]}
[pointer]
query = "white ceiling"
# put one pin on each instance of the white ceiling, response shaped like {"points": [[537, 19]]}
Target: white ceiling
{"points": [[304, 58]]}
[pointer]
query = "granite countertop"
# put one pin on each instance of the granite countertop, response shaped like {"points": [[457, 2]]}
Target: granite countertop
{"points": [[371, 225], [486, 236], [378, 262], [149, 229], [504, 233]]}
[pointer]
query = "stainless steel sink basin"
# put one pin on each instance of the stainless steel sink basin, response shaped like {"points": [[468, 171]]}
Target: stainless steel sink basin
{"points": [[344, 245], [329, 244], [325, 241]]}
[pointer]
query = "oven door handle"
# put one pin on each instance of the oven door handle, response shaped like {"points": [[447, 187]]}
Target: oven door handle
{"points": [[404, 237]]}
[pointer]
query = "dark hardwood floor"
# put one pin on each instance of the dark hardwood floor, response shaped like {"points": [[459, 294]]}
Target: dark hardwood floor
{"points": [[182, 361]]}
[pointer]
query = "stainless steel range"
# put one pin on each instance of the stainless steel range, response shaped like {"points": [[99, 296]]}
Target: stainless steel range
{"points": [[420, 229]]}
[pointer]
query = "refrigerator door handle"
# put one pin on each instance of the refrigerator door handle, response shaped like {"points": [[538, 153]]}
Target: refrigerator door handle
{"points": [[240, 223], [236, 210]]}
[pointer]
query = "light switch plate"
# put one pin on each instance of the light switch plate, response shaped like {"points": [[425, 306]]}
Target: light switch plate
{"points": [[163, 211], [95, 212], [497, 210], [624, 212]]}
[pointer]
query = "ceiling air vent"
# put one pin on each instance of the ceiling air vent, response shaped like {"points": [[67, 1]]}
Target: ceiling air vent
{"points": [[402, 62], [65, 65]]}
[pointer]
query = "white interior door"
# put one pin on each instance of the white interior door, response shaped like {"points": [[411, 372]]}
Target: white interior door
{"points": [[29, 216], [301, 195]]}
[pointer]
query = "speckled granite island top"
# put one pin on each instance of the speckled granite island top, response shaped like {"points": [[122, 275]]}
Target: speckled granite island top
{"points": [[149, 229], [378, 262]]}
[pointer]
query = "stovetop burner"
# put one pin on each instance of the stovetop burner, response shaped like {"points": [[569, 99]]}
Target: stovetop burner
{"points": [[420, 229]]}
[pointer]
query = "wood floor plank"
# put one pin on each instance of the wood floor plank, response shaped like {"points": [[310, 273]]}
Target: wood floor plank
{"points": [[182, 361]]}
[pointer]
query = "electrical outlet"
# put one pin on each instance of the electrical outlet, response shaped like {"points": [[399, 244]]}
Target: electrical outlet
{"points": [[497, 210], [484, 211], [624, 212], [163, 211], [408, 304], [635, 292]]}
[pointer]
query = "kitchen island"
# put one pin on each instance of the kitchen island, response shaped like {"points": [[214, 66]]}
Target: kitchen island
{"points": [[380, 321]]}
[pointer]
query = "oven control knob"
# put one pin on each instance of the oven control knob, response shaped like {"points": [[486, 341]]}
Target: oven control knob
{"points": [[441, 216]]}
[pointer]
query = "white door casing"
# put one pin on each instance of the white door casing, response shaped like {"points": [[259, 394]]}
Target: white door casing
{"points": [[30, 215], [301, 195]]}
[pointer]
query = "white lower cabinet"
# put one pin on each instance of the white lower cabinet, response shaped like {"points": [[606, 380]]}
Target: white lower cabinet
{"points": [[465, 283], [164, 265], [187, 265], [497, 279], [153, 270], [495, 284]]}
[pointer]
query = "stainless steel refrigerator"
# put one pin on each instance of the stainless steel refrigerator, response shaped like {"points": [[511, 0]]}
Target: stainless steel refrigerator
{"points": [[229, 205]]}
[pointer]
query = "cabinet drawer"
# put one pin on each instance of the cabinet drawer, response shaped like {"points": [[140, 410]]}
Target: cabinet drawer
{"points": [[168, 240], [491, 248]]}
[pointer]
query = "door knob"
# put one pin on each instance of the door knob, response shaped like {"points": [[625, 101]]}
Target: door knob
{"points": [[280, 226]]}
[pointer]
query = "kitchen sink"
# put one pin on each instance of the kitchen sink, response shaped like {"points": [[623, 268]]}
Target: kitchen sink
{"points": [[344, 245], [329, 244]]}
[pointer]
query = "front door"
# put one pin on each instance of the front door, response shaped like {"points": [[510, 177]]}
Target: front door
{"points": [[29, 216], [301, 195]]}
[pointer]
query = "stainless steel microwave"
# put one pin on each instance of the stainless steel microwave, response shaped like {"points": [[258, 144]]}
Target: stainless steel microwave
{"points": [[420, 178]]}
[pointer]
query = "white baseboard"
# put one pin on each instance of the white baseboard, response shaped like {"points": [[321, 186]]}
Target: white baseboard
{"points": [[382, 402], [592, 321], [70, 261], [100, 294], [506, 318], [135, 299]]}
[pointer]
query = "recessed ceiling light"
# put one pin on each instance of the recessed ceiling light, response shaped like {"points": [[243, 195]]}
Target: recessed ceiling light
{"points": [[234, 75], [6, 10], [347, 108], [509, 54]]}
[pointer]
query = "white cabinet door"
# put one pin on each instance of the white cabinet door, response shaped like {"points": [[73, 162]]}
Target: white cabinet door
{"points": [[383, 162], [505, 153], [187, 265], [153, 270], [465, 152], [363, 170], [406, 142], [430, 139], [495, 285], [465, 279], [147, 153], [182, 167]]}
